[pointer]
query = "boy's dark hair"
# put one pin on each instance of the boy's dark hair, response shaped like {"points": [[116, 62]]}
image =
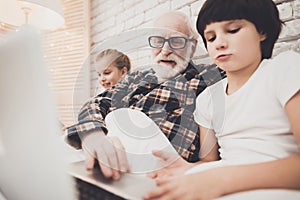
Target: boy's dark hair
{"points": [[262, 13]]}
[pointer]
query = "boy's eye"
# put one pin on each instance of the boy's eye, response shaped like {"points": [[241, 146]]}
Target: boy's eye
{"points": [[234, 30], [99, 74], [210, 38]]}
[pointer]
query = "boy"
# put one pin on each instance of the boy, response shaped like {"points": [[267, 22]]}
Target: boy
{"points": [[253, 115]]}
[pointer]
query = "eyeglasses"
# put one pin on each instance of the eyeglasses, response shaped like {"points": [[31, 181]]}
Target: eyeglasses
{"points": [[174, 42]]}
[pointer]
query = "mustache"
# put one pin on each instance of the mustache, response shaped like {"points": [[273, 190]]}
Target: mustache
{"points": [[171, 57]]}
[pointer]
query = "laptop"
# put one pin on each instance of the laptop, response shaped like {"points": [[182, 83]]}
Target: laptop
{"points": [[93, 185], [32, 165], [139, 136], [33, 158]]}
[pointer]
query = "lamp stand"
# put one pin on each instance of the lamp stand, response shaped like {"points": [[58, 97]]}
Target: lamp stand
{"points": [[26, 13]]}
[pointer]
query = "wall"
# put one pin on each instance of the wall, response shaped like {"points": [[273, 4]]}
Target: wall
{"points": [[290, 35], [66, 50], [114, 17]]}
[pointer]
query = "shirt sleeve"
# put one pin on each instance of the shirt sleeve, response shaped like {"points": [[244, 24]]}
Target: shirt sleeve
{"points": [[92, 114], [287, 75], [203, 112], [91, 117]]}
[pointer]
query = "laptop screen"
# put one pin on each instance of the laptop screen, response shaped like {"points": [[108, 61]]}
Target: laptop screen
{"points": [[32, 165]]}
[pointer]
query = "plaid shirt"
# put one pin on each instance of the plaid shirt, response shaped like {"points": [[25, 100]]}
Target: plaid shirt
{"points": [[170, 105]]}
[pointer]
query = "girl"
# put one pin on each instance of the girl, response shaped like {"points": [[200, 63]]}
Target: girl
{"points": [[111, 66], [249, 122]]}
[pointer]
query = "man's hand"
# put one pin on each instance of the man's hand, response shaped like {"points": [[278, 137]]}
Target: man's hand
{"points": [[173, 165], [109, 152]]}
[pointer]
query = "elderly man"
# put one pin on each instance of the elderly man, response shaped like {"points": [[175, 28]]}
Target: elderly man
{"points": [[166, 94]]}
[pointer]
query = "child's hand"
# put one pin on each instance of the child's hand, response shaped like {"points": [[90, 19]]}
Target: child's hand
{"points": [[170, 165], [201, 185]]}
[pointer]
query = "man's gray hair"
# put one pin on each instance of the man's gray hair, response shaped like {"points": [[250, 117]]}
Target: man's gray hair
{"points": [[191, 28]]}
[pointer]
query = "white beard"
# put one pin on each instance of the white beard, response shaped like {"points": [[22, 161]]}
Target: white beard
{"points": [[165, 72]]}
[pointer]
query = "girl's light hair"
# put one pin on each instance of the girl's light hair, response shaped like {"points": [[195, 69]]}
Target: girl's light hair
{"points": [[114, 56]]}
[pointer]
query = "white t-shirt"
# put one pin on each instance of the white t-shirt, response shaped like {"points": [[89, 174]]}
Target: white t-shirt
{"points": [[251, 124]]}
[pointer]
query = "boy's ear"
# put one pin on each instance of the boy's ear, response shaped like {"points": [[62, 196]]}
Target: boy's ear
{"points": [[263, 36]]}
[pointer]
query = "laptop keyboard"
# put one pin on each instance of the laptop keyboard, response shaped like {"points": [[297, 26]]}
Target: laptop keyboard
{"points": [[87, 191]]}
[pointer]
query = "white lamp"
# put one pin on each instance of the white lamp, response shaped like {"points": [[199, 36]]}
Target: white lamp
{"points": [[43, 14]]}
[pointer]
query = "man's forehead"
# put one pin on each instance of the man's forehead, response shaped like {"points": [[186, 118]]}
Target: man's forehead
{"points": [[166, 33], [172, 25]]}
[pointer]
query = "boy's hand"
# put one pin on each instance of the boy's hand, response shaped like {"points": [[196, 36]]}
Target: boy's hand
{"points": [[171, 165]]}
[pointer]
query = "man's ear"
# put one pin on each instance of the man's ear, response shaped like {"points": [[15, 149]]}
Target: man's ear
{"points": [[194, 45]]}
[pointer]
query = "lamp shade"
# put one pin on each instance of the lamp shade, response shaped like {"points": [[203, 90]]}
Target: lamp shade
{"points": [[43, 14]]}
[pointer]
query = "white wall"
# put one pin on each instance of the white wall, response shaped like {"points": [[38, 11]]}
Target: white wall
{"points": [[114, 17]]}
